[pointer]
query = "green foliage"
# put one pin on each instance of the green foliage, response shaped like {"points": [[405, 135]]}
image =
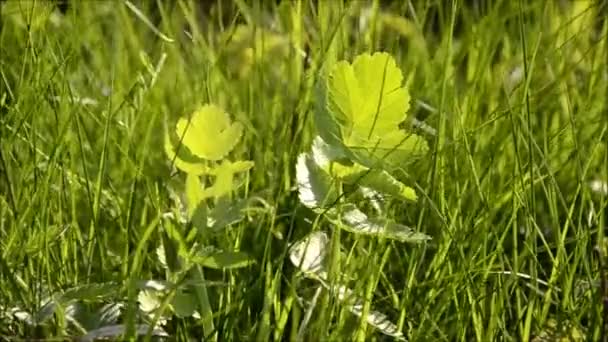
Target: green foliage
{"points": [[210, 136], [103, 236], [365, 104], [208, 133]]}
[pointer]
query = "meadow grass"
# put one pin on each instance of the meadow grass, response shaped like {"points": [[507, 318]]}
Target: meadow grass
{"points": [[512, 97]]}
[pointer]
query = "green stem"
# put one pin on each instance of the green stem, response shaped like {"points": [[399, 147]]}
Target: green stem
{"points": [[204, 305]]}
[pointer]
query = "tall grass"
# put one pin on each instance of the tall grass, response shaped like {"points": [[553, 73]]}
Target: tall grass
{"points": [[512, 95]]}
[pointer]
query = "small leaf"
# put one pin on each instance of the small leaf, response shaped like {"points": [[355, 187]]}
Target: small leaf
{"points": [[194, 193], [223, 184], [176, 243], [355, 221], [226, 213], [234, 167], [184, 304], [224, 181], [20, 315], [149, 300], [374, 318], [309, 254], [314, 185], [380, 181], [193, 168], [225, 260], [209, 134]]}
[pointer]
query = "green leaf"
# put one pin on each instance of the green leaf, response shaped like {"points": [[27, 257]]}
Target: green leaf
{"points": [[324, 154], [89, 292], [168, 255], [309, 254], [232, 167], [334, 162], [328, 125], [209, 134], [315, 188], [193, 168], [149, 300], [380, 181], [184, 304], [374, 318], [355, 221], [226, 213], [367, 101], [225, 260], [199, 217], [194, 193], [224, 178]]}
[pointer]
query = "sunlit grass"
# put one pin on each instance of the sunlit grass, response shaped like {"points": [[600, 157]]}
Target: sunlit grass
{"points": [[511, 95]]}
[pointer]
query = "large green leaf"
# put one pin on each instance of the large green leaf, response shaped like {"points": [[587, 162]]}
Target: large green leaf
{"points": [[209, 133], [368, 102]]}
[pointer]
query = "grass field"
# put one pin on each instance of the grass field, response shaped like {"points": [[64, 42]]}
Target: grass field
{"points": [[103, 234]]}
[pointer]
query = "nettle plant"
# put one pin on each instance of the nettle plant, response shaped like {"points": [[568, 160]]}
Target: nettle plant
{"points": [[210, 183], [360, 107]]}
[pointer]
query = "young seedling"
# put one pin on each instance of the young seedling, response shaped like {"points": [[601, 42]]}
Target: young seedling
{"points": [[208, 136], [359, 110]]}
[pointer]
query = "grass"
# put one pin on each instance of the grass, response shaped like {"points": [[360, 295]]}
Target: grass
{"points": [[513, 95]]}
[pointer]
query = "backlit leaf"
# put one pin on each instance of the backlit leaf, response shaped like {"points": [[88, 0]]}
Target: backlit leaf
{"points": [[188, 167], [368, 102], [194, 193], [209, 133], [223, 184]]}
